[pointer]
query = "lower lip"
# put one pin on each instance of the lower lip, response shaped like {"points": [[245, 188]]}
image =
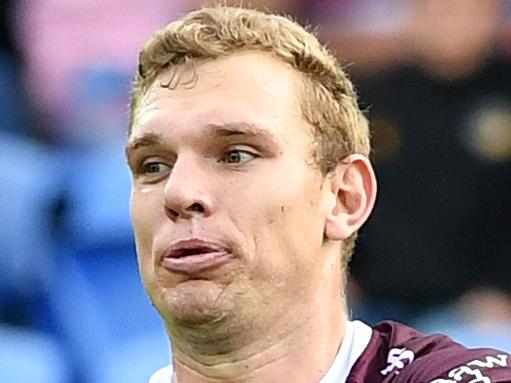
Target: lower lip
{"points": [[193, 264]]}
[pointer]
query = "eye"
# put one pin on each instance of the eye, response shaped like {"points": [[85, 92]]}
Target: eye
{"points": [[154, 168], [238, 156]]}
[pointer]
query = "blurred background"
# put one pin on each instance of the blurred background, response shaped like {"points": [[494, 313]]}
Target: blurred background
{"points": [[434, 78]]}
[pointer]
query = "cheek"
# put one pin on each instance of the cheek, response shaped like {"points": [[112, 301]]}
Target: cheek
{"points": [[286, 226], [145, 213], [146, 207]]}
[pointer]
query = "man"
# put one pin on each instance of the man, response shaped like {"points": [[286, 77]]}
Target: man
{"points": [[250, 181]]}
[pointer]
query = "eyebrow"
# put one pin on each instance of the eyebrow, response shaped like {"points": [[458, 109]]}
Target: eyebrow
{"points": [[238, 129], [148, 139], [212, 130]]}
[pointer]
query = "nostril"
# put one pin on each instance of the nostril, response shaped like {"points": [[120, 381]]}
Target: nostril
{"points": [[197, 207], [177, 213], [171, 213]]}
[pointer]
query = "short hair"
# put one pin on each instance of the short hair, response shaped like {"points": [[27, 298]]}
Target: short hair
{"points": [[328, 100]]}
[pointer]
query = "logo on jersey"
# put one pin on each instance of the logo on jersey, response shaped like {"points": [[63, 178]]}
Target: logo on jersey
{"points": [[398, 359], [472, 370]]}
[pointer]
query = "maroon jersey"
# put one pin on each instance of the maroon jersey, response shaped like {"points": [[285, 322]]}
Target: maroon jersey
{"points": [[399, 354]]}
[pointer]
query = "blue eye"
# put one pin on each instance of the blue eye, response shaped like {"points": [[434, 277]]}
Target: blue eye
{"points": [[238, 156]]}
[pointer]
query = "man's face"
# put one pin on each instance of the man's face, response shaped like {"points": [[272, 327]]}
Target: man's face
{"points": [[227, 205]]}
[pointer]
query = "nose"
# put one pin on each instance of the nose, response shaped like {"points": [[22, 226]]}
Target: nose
{"points": [[186, 190]]}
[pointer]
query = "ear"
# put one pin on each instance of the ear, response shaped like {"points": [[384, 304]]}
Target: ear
{"points": [[353, 192]]}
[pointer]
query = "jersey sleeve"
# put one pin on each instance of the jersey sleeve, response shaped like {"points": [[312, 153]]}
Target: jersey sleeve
{"points": [[400, 354], [438, 359]]}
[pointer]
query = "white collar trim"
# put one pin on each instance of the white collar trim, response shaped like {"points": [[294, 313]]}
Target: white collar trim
{"points": [[356, 339]]}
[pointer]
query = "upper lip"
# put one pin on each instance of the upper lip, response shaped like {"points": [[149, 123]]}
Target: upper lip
{"points": [[192, 247]]}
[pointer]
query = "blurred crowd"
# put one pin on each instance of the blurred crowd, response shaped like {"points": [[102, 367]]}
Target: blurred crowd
{"points": [[434, 78]]}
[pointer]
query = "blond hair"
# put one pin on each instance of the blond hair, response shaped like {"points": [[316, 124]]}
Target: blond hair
{"points": [[328, 100]]}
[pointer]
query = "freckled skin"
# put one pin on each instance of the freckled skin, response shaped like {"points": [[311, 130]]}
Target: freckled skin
{"points": [[269, 210]]}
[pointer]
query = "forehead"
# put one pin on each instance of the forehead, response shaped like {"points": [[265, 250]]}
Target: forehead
{"points": [[251, 86]]}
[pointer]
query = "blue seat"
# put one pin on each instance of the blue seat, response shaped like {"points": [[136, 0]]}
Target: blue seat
{"points": [[105, 316], [28, 190], [450, 321], [97, 299], [98, 194], [28, 356]]}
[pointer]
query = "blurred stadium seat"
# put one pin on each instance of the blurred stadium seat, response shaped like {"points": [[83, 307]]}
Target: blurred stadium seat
{"points": [[97, 297], [31, 357], [28, 190], [105, 317], [29, 187]]}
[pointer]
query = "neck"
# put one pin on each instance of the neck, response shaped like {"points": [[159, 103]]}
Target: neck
{"points": [[302, 355]]}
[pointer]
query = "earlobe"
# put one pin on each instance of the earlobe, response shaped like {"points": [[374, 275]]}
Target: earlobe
{"points": [[353, 188]]}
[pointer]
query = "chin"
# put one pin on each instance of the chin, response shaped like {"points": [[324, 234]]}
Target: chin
{"points": [[193, 303]]}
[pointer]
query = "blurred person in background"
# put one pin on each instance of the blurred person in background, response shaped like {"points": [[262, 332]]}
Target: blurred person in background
{"points": [[79, 58], [365, 34], [441, 123]]}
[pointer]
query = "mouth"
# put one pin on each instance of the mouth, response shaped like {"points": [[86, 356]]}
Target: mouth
{"points": [[195, 256]]}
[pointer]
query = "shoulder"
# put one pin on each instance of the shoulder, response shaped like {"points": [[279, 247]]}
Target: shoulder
{"points": [[163, 375], [400, 354]]}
